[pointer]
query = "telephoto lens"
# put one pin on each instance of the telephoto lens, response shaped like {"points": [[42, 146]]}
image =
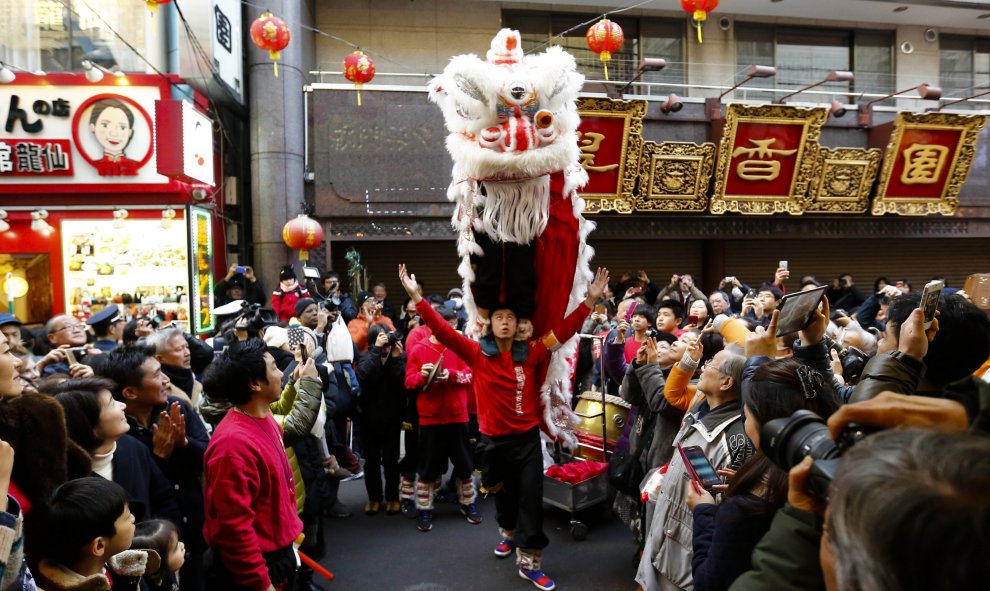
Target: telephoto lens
{"points": [[787, 440]]}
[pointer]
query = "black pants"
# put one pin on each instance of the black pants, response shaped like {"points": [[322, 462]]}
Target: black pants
{"points": [[281, 570], [381, 450], [493, 284], [516, 462], [439, 442], [410, 461]]}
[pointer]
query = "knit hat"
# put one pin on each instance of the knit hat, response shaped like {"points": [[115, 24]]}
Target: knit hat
{"points": [[302, 304], [276, 336], [287, 273], [363, 296], [455, 292]]}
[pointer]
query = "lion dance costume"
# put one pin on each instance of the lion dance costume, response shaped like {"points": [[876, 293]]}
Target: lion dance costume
{"points": [[521, 237]]}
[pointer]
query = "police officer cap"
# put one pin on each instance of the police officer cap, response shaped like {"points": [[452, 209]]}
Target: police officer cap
{"points": [[105, 317]]}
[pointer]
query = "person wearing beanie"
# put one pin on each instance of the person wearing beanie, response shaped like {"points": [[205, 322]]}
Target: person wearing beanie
{"points": [[289, 292]]}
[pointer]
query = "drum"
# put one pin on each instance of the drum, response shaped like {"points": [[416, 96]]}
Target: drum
{"points": [[589, 427]]}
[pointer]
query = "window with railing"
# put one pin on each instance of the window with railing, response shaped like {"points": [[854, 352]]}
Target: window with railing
{"points": [[644, 37], [805, 56], [964, 68], [56, 36]]}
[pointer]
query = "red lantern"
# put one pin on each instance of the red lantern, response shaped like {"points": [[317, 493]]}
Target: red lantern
{"points": [[699, 10], [604, 38], [271, 33], [303, 233], [358, 68]]}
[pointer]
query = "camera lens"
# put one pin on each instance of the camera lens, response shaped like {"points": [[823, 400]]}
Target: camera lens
{"points": [[786, 441]]}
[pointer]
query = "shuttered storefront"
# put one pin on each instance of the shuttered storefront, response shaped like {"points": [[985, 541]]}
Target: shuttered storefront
{"points": [[753, 261]]}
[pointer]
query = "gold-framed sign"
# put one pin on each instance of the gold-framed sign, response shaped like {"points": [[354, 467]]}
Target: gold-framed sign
{"points": [[843, 180], [926, 163], [611, 143], [765, 158], [675, 176]]}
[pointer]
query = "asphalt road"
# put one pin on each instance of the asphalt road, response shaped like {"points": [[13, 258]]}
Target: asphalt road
{"points": [[388, 553]]}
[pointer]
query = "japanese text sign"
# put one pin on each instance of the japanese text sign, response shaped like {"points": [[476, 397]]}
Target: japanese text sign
{"points": [[610, 143], [201, 251], [926, 163], [766, 157]]}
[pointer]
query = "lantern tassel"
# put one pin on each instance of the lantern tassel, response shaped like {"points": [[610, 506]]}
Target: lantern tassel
{"points": [[304, 255], [358, 87], [699, 32], [605, 65], [700, 16], [275, 64]]}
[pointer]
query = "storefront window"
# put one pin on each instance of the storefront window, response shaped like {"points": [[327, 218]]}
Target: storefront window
{"points": [[141, 263], [56, 36], [964, 68], [804, 56]]}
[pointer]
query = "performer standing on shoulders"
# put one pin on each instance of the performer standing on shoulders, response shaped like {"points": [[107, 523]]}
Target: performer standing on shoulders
{"points": [[510, 415]]}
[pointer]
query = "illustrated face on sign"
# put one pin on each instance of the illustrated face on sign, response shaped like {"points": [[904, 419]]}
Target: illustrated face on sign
{"points": [[112, 123]]}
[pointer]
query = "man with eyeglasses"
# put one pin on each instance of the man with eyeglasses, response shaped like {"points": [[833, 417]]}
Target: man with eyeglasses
{"points": [[67, 337]]}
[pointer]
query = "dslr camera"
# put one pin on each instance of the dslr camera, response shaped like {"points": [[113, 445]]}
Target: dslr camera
{"points": [[252, 319], [853, 360], [394, 337], [787, 440]]}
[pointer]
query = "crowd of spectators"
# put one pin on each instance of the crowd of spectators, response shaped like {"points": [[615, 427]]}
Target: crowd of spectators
{"points": [[134, 452]]}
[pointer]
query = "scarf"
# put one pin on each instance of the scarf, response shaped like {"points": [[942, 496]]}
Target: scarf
{"points": [[183, 378]]}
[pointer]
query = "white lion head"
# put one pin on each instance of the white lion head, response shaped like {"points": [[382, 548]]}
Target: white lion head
{"points": [[511, 114]]}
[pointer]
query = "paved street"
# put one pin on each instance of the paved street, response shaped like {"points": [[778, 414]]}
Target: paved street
{"points": [[388, 553]]}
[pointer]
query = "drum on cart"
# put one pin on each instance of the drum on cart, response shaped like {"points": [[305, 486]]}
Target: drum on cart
{"points": [[589, 428]]}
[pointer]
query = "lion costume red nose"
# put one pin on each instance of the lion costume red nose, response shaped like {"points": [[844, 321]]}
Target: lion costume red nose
{"points": [[518, 133]]}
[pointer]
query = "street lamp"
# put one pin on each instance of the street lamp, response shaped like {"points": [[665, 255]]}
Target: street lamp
{"points": [[925, 90]]}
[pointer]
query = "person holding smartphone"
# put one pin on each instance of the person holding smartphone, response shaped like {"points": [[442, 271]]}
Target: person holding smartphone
{"points": [[715, 425]]}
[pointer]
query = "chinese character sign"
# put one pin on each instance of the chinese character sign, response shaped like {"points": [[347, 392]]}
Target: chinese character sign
{"points": [[35, 157], [926, 162], [766, 158], [611, 142]]}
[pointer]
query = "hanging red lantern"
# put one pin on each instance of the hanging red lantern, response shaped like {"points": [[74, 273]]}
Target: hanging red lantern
{"points": [[303, 234], [359, 69], [605, 38], [699, 9], [271, 33]]}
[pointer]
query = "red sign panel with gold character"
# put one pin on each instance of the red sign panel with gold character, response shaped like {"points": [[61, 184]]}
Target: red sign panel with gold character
{"points": [[926, 163], [610, 138], [765, 159]]}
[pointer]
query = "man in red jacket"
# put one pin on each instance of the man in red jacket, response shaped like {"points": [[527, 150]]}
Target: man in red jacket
{"points": [[251, 518], [443, 422], [510, 416]]}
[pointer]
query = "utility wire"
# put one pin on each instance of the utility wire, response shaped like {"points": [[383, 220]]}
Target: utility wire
{"points": [[588, 22]]}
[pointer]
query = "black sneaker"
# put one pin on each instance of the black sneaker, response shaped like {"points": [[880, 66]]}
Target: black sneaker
{"points": [[470, 511], [425, 523], [409, 508]]}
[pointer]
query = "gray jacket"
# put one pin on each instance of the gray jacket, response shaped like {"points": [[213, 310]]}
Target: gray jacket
{"points": [[643, 386]]}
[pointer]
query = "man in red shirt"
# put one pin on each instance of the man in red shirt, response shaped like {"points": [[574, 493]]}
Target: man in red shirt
{"points": [[510, 416], [251, 518]]}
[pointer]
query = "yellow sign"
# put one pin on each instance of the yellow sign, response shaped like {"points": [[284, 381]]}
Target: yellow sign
{"points": [[762, 168], [590, 143], [923, 164]]}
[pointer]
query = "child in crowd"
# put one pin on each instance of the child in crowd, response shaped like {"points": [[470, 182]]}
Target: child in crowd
{"points": [[87, 530], [162, 536]]}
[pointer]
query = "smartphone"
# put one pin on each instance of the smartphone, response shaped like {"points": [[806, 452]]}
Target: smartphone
{"points": [[693, 319], [929, 300], [303, 353], [796, 310], [240, 269], [782, 265], [629, 312], [698, 466]]}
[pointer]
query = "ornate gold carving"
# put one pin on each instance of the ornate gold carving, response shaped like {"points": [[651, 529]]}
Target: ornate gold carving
{"points": [[675, 176], [842, 180], [632, 112], [811, 120], [921, 172]]}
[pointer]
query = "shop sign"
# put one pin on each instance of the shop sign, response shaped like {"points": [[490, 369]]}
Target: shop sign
{"points": [[675, 176], [611, 143], [225, 43], [201, 250], [926, 163], [184, 142], [766, 157], [79, 137]]}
